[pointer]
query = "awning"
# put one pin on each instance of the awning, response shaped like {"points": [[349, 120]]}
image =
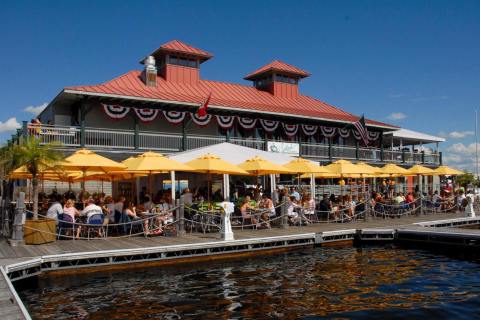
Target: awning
{"points": [[412, 137]]}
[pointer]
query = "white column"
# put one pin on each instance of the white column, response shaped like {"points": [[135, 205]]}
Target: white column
{"points": [[172, 179], [226, 187], [312, 186], [272, 184]]}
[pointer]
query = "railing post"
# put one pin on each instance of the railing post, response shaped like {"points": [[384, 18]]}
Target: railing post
{"points": [[25, 129], [18, 221], [330, 150], [82, 125], [135, 133], [423, 156], [227, 135], [180, 216], [403, 156], [357, 150], [440, 158], [381, 147], [284, 213], [184, 136]]}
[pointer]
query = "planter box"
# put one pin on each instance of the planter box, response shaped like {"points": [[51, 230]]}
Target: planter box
{"points": [[40, 231]]}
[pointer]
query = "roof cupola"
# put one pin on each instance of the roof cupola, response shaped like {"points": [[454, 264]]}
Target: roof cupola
{"points": [[278, 78]]}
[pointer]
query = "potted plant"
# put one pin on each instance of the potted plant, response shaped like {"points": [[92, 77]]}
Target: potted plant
{"points": [[35, 157]]}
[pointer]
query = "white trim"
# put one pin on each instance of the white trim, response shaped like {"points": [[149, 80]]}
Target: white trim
{"points": [[14, 293], [217, 107]]}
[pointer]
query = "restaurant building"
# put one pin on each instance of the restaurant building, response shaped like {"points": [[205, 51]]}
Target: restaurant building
{"points": [[156, 108]]}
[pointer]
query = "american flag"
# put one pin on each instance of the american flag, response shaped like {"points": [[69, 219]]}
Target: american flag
{"points": [[362, 129]]}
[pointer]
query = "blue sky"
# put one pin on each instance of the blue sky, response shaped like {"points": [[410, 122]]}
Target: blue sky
{"points": [[411, 63]]}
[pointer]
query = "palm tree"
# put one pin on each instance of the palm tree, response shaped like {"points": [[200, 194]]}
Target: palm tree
{"points": [[35, 156]]}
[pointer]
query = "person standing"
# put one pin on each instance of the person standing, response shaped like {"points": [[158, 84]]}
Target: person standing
{"points": [[469, 210]]}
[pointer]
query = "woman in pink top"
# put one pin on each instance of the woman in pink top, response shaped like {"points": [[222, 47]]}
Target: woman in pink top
{"points": [[70, 209]]}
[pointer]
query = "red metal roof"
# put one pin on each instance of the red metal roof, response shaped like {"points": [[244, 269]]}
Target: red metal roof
{"points": [[229, 95], [182, 47], [278, 66]]}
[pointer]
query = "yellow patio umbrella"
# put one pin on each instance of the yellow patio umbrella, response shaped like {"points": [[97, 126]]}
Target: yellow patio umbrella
{"points": [[86, 161], [344, 168], [419, 170], [301, 165], [446, 171], [153, 162], [393, 170], [211, 163], [259, 167]]}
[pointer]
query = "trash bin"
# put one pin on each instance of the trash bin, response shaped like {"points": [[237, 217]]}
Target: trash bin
{"points": [[40, 231]]}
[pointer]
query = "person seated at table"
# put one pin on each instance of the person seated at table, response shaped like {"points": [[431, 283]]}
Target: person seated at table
{"points": [[335, 211], [244, 209], [267, 204], [69, 208], [118, 208], [360, 206], [349, 206], [55, 209], [436, 198], [187, 197], [109, 209], [148, 204], [409, 199], [399, 199], [217, 196], [89, 211], [308, 205], [292, 214]]}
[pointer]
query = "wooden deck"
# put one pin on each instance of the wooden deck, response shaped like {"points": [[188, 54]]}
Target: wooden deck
{"points": [[9, 254]]}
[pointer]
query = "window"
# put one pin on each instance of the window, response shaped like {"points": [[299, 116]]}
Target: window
{"points": [[263, 82], [182, 61], [285, 79]]}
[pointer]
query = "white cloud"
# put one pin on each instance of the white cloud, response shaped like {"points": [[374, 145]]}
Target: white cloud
{"points": [[36, 109], [463, 149], [9, 125], [460, 134], [397, 116], [395, 95]]}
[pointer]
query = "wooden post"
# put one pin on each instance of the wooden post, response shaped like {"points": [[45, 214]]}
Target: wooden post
{"points": [[357, 150], [136, 130], [403, 156], [423, 157], [284, 211], [440, 158], [82, 125], [19, 221], [180, 216]]}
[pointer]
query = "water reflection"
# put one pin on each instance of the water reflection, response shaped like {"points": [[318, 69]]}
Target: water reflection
{"points": [[346, 282]]}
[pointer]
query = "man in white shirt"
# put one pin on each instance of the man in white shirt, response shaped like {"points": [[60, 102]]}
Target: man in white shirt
{"points": [[295, 194], [91, 209], [187, 197], [55, 209]]}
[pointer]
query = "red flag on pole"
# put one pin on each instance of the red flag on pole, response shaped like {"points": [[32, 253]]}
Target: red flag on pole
{"points": [[202, 111]]}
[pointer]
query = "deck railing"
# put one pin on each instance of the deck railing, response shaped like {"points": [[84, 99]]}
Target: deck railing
{"points": [[116, 139]]}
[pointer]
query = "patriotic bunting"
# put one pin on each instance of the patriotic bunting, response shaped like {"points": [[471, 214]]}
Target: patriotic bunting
{"points": [[247, 123], [373, 135], [146, 115], [175, 117], [309, 130], [269, 125], [201, 120], [115, 111], [225, 122], [290, 129], [344, 133], [356, 135], [328, 132]]}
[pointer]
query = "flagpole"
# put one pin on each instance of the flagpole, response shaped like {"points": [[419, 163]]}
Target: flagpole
{"points": [[476, 142]]}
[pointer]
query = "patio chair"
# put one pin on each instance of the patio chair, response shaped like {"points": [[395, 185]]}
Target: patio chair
{"points": [[65, 223], [95, 223]]}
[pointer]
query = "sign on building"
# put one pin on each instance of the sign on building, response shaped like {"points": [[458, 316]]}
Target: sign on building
{"points": [[284, 147]]}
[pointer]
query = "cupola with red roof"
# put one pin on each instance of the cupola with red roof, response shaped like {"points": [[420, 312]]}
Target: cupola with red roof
{"points": [[177, 61], [278, 78]]}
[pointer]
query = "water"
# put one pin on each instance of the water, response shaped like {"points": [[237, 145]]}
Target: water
{"points": [[359, 283]]}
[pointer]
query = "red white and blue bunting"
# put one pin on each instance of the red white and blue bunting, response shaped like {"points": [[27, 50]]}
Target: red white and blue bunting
{"points": [[290, 129], [344, 133], [225, 122], [269, 125], [356, 135], [146, 115], [247, 123], [201, 120], [373, 135], [175, 117], [309, 130], [328, 132], [115, 111]]}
